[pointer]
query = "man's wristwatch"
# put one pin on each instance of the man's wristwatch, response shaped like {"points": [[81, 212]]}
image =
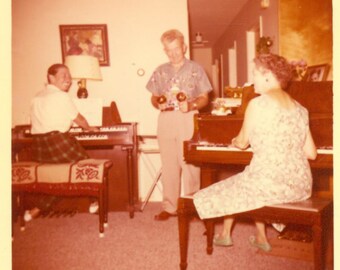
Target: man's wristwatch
{"points": [[194, 106]]}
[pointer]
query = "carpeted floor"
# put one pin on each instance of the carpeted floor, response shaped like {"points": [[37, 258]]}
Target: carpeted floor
{"points": [[291, 249], [60, 243]]}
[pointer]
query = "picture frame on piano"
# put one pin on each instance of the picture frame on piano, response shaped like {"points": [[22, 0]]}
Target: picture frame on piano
{"points": [[316, 73], [88, 39]]}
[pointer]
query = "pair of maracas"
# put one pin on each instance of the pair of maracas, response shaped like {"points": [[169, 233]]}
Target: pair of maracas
{"points": [[181, 97]]}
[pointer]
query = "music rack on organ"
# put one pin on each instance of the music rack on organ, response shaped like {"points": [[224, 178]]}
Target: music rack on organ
{"points": [[209, 149]]}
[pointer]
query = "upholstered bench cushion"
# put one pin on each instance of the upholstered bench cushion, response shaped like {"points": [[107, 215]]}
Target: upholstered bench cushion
{"points": [[24, 173], [88, 177], [85, 175]]}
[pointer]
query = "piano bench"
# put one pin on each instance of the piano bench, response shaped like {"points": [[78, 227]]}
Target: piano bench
{"points": [[315, 212], [88, 177]]}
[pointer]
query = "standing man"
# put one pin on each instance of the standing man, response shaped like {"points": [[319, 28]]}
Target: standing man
{"points": [[52, 115], [179, 89]]}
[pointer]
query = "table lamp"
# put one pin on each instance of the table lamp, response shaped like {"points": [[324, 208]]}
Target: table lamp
{"points": [[83, 67]]}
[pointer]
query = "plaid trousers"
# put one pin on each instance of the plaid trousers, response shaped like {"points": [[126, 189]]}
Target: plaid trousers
{"points": [[57, 147]]}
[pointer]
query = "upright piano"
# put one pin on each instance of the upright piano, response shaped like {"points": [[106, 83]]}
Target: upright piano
{"points": [[209, 148], [115, 140]]}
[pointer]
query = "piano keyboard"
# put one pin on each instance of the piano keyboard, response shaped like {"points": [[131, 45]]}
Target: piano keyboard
{"points": [[326, 151], [220, 148]]}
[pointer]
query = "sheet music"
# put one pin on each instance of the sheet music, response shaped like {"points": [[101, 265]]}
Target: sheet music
{"points": [[91, 109]]}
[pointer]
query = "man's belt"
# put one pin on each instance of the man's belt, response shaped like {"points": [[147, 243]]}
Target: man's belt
{"points": [[171, 108]]}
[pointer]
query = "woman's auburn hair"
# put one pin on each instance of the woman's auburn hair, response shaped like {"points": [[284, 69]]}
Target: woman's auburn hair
{"points": [[278, 65]]}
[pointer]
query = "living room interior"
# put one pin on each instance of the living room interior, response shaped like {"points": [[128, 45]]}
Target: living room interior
{"points": [[302, 31]]}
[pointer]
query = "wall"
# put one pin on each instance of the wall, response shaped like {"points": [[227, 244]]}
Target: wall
{"points": [[203, 56], [299, 29], [247, 19], [134, 29], [305, 35]]}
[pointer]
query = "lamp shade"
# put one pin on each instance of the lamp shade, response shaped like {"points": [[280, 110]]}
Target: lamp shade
{"points": [[83, 67]]}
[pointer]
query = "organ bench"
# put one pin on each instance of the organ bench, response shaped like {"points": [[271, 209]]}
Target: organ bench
{"points": [[116, 141], [88, 177]]}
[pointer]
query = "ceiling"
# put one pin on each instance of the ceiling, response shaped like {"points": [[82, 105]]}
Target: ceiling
{"points": [[211, 18]]}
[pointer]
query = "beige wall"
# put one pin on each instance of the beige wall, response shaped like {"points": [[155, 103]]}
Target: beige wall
{"points": [[134, 29]]}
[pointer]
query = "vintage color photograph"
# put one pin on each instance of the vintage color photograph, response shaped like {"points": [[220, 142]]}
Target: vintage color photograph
{"points": [[88, 39]]}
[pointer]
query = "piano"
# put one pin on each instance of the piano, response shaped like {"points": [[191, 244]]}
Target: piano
{"points": [[208, 148], [115, 140]]}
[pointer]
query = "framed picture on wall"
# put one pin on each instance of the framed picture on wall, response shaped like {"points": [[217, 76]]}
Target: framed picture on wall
{"points": [[316, 73], [88, 39]]}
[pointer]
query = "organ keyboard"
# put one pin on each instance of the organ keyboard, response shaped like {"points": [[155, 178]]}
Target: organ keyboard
{"points": [[85, 137], [115, 128], [118, 134]]}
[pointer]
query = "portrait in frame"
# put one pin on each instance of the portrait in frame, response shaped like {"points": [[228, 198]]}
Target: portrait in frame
{"points": [[316, 73], [85, 39]]}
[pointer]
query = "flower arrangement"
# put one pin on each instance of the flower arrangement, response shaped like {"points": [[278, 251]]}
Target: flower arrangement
{"points": [[299, 69]]}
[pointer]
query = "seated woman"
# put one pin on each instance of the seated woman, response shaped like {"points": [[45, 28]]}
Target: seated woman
{"points": [[277, 128]]}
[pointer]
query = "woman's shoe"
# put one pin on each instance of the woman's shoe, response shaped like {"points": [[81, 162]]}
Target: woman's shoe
{"points": [[265, 246], [225, 242]]}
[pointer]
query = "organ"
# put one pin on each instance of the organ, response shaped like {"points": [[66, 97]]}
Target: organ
{"points": [[115, 140]]}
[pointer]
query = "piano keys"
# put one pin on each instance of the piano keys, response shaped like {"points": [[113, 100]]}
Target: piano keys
{"points": [[207, 148], [230, 148], [110, 129], [323, 160], [215, 147], [118, 134]]}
